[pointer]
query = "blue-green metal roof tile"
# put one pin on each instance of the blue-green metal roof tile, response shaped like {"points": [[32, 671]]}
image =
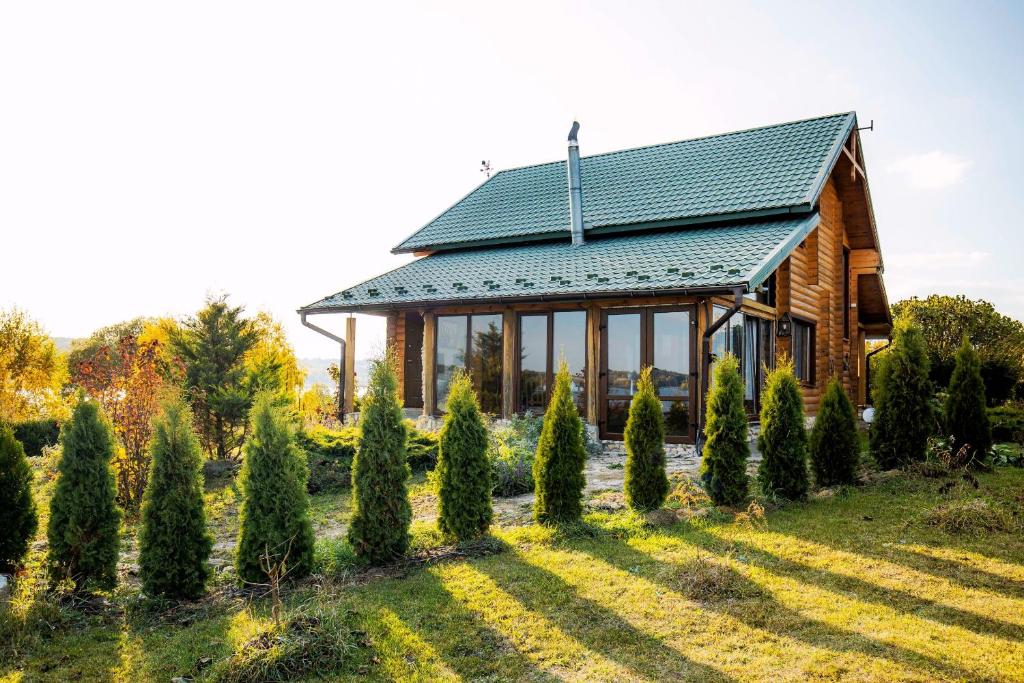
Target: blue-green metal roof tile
{"points": [[747, 173], [700, 257]]}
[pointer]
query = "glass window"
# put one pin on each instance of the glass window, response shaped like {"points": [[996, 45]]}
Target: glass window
{"points": [[451, 352], [671, 369], [803, 351], [538, 360], [485, 361], [570, 342], [533, 363], [749, 339], [473, 343], [623, 353]]}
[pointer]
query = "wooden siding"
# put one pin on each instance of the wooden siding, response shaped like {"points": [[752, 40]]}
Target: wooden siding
{"points": [[810, 288]]}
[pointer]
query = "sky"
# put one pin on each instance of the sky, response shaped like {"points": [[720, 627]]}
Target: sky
{"points": [[153, 154]]}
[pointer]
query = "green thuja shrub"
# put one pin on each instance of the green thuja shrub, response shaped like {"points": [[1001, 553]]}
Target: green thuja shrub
{"points": [[561, 457], [463, 468], [646, 483], [723, 467], [35, 435], [174, 545], [966, 415], [835, 449], [275, 529], [18, 511], [903, 416], [84, 517], [381, 514], [783, 437]]}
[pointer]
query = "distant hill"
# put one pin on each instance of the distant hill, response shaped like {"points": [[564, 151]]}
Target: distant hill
{"points": [[63, 344], [316, 371]]}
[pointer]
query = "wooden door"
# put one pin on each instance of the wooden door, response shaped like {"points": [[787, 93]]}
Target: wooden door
{"points": [[413, 360]]}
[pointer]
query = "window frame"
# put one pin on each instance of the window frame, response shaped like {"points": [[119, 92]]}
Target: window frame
{"points": [[467, 354], [647, 314], [847, 298], [549, 376], [812, 357]]}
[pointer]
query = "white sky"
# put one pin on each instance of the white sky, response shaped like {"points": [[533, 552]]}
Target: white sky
{"points": [[153, 152]]}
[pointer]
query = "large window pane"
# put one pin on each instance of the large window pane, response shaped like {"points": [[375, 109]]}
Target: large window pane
{"points": [[485, 361], [623, 353], [671, 373], [451, 353], [533, 363], [570, 342]]}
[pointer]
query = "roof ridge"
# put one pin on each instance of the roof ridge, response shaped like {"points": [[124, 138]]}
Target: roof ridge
{"points": [[676, 142]]}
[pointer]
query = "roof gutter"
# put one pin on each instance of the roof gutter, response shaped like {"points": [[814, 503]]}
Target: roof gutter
{"points": [[341, 366], [705, 362], [586, 296]]}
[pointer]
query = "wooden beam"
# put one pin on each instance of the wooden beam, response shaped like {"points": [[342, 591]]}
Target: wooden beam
{"points": [[429, 344], [508, 362], [350, 363], [854, 166], [593, 362]]}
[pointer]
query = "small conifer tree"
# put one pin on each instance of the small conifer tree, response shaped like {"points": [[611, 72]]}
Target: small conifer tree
{"points": [[723, 467], [379, 531], [18, 511], [276, 535], [561, 457], [174, 545], [783, 437], [966, 417], [464, 471], [903, 416], [646, 483], [835, 450], [84, 517]]}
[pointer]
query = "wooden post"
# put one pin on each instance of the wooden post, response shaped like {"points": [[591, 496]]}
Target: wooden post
{"points": [[508, 362], [350, 364], [593, 362], [429, 358]]}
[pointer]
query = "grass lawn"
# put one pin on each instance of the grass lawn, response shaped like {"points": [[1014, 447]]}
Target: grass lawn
{"points": [[857, 586]]}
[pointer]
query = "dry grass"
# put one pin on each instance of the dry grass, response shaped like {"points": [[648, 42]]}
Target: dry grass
{"points": [[970, 515]]}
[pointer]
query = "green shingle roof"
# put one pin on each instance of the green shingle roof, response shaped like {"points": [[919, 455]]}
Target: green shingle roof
{"points": [[695, 258], [776, 169]]}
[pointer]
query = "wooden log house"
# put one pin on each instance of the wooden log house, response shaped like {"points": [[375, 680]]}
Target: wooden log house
{"points": [[758, 243]]}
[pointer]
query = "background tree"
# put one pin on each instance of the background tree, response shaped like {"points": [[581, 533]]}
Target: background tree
{"points": [[379, 530], [271, 363], [126, 380], [835, 449], [646, 483], [966, 417], [31, 370], [213, 346], [18, 512], [998, 339], [903, 416], [463, 469], [723, 466], [274, 522], [174, 545], [783, 437], [561, 457], [84, 519]]}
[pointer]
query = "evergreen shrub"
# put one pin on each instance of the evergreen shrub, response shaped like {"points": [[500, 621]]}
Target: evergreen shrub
{"points": [[463, 470], [561, 457], [783, 437], [834, 446], [723, 467], [645, 482]]}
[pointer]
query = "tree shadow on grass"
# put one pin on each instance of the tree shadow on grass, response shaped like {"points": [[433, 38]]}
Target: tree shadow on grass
{"points": [[864, 591], [462, 639], [948, 569], [797, 626], [598, 628]]}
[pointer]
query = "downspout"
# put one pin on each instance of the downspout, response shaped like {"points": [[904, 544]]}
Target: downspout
{"points": [[341, 364], [867, 368], [705, 365]]}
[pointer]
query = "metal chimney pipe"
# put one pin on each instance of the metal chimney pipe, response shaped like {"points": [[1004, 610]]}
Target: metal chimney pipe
{"points": [[575, 188]]}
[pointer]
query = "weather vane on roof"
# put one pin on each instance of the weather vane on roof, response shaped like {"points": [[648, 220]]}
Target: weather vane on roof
{"points": [[485, 167]]}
